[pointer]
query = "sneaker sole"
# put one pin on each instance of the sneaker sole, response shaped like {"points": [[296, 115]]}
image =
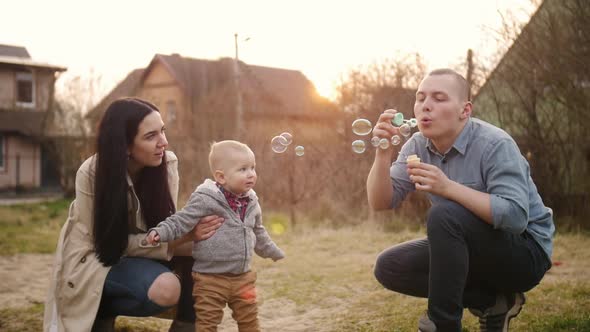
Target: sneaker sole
{"points": [[519, 301]]}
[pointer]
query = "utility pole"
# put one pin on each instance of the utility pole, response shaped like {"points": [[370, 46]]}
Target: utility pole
{"points": [[239, 107], [469, 76]]}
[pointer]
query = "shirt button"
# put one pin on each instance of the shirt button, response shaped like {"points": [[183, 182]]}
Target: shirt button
{"points": [[83, 259], [70, 284]]}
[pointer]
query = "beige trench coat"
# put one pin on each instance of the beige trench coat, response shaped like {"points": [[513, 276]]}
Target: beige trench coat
{"points": [[78, 277]]}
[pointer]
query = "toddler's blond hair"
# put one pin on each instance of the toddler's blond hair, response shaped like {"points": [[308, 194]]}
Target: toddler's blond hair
{"points": [[220, 153]]}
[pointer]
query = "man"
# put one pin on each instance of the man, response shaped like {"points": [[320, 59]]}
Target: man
{"points": [[489, 236]]}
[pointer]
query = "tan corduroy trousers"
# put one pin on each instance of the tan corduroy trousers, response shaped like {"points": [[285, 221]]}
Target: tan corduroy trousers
{"points": [[213, 291]]}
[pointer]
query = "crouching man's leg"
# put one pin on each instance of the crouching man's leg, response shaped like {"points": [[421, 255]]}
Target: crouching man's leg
{"points": [[475, 266]]}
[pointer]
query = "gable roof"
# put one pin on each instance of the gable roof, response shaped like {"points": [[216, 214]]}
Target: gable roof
{"points": [[289, 90], [18, 56], [126, 88], [512, 48], [292, 90], [14, 51]]}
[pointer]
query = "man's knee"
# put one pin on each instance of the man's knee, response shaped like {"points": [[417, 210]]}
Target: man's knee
{"points": [[165, 290], [386, 271], [379, 270], [444, 215]]}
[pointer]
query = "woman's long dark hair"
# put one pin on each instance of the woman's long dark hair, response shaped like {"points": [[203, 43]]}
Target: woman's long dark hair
{"points": [[116, 132]]}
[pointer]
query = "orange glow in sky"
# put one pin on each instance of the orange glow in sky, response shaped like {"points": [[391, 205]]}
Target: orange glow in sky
{"points": [[322, 39]]}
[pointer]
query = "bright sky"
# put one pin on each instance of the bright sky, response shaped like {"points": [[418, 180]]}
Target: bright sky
{"points": [[321, 38]]}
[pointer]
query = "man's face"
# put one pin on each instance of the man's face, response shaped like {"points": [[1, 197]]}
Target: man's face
{"points": [[439, 108]]}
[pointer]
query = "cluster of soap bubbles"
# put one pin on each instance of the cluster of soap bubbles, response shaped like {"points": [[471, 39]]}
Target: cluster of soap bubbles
{"points": [[280, 143], [363, 127]]}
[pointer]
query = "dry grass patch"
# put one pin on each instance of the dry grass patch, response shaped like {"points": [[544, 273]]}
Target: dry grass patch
{"points": [[326, 284]]}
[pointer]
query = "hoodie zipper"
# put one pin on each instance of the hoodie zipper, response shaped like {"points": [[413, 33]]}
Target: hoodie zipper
{"points": [[237, 216]]}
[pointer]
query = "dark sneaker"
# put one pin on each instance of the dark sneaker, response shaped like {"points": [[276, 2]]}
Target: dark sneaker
{"points": [[497, 318], [425, 324]]}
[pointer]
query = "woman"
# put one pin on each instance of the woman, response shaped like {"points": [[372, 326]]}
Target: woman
{"points": [[103, 267]]}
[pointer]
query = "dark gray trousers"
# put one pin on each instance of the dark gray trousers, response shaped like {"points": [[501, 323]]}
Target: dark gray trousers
{"points": [[463, 263]]}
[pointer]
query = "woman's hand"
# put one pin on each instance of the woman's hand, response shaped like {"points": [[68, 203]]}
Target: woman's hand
{"points": [[206, 228]]}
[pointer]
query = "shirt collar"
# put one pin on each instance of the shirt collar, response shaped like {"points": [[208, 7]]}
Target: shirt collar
{"points": [[460, 143], [228, 194]]}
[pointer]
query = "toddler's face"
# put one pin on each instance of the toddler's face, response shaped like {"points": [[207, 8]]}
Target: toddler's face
{"points": [[241, 176]]}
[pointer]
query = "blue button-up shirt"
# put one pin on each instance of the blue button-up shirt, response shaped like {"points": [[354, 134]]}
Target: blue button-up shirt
{"points": [[487, 159]]}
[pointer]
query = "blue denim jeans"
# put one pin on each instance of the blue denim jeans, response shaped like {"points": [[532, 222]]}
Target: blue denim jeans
{"points": [[127, 284], [463, 263]]}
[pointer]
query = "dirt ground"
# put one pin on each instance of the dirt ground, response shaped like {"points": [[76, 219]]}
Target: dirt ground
{"points": [[24, 280], [21, 287]]}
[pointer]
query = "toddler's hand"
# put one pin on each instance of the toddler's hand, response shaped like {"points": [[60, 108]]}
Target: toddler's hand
{"points": [[280, 256], [152, 238]]}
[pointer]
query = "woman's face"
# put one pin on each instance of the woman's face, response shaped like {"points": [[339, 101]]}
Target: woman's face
{"points": [[149, 144]]}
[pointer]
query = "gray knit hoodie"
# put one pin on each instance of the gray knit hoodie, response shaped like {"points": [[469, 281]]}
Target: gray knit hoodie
{"points": [[229, 250]]}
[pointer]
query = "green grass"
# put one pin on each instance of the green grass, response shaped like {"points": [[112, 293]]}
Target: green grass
{"points": [[31, 228], [22, 319], [326, 282]]}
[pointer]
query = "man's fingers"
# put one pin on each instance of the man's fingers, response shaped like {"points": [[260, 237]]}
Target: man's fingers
{"points": [[422, 187]]}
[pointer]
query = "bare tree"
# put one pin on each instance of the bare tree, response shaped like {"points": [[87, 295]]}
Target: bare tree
{"points": [[67, 133], [365, 92]]}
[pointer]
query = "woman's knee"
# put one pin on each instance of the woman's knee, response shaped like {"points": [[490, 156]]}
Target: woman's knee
{"points": [[165, 290]]}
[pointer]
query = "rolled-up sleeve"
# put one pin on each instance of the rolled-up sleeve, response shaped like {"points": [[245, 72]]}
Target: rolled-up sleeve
{"points": [[507, 173]]}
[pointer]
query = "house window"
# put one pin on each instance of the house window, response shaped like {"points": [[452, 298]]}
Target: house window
{"points": [[170, 111], [25, 89], [2, 151]]}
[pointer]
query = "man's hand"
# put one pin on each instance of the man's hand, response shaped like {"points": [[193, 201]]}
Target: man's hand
{"points": [[384, 128], [429, 178]]}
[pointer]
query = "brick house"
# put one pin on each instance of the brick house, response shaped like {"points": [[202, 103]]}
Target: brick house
{"points": [[206, 100]]}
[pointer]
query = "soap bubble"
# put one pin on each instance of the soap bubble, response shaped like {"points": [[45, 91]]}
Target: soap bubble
{"points": [[362, 127], [358, 146], [299, 150], [278, 144], [375, 141], [405, 130], [383, 143], [288, 137], [413, 122], [398, 119], [395, 140]]}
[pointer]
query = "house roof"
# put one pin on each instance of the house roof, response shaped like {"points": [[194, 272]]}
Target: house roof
{"points": [[29, 123], [290, 87], [290, 90], [511, 49], [19, 56], [127, 87], [14, 51]]}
